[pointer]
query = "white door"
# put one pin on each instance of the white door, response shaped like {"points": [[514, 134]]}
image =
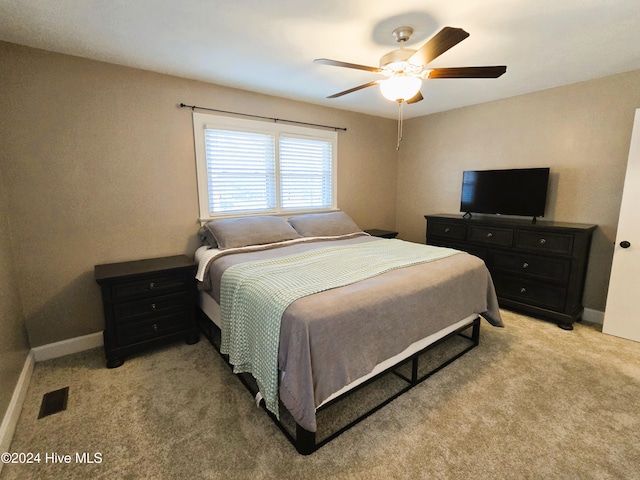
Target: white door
{"points": [[622, 313]]}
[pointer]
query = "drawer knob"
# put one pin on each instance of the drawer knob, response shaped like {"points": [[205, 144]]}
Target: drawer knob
{"points": [[543, 241], [447, 230], [155, 327], [523, 290], [489, 235], [525, 265], [153, 306], [152, 286]]}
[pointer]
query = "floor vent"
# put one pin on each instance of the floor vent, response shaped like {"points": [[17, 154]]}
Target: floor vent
{"points": [[54, 402]]}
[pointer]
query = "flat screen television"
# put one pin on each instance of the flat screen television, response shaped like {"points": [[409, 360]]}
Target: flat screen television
{"points": [[519, 191]]}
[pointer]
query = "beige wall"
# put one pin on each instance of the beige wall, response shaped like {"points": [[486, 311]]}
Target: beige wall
{"points": [[99, 167], [14, 345], [581, 131]]}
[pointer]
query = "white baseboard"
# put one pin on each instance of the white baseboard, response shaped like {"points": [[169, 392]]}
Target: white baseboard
{"points": [[39, 354], [593, 316], [12, 414], [67, 347]]}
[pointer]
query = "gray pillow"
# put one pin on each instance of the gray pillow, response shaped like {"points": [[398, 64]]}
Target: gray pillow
{"points": [[207, 238], [245, 231], [324, 224]]}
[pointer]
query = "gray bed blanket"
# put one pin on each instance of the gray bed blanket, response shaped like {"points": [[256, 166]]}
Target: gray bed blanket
{"points": [[255, 295], [331, 338]]}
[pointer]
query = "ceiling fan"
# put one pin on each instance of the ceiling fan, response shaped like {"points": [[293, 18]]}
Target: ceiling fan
{"points": [[405, 68]]}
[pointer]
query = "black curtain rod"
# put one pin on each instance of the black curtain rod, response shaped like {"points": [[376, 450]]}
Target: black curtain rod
{"points": [[193, 107]]}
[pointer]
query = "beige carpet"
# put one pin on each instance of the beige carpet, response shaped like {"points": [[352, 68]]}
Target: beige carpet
{"points": [[532, 401]]}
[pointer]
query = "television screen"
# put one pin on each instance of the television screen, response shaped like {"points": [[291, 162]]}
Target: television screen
{"points": [[520, 191]]}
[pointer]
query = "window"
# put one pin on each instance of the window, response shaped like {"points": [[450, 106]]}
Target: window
{"points": [[249, 167]]}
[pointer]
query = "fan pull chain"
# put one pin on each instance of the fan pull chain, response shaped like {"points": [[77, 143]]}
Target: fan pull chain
{"points": [[400, 122]]}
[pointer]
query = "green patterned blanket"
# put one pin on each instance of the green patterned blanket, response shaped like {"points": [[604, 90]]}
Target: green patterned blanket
{"points": [[254, 295]]}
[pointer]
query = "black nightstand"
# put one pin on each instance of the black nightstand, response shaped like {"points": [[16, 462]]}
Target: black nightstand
{"points": [[374, 232], [147, 302]]}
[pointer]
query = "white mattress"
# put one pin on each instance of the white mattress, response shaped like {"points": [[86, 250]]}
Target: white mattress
{"points": [[210, 307]]}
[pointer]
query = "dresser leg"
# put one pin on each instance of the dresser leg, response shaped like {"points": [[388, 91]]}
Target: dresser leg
{"points": [[115, 362], [193, 338], [566, 326]]}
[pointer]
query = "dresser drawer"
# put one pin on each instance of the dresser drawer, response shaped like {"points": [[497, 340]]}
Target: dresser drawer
{"points": [[149, 286], [476, 250], [151, 307], [530, 292], [545, 242], [134, 332], [491, 236], [452, 231], [542, 268]]}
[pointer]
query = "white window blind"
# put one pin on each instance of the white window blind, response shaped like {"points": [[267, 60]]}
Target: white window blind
{"points": [[241, 171], [250, 167], [305, 173]]}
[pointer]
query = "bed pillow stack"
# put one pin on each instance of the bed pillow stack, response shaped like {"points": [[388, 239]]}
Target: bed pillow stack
{"points": [[262, 230]]}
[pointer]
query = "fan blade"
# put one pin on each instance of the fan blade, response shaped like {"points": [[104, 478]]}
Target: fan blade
{"points": [[468, 72], [442, 41], [355, 89], [336, 63], [416, 98]]}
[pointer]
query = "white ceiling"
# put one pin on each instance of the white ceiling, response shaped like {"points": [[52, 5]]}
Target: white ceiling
{"points": [[268, 46]]}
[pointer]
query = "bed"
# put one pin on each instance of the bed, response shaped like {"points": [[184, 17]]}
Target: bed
{"points": [[310, 309]]}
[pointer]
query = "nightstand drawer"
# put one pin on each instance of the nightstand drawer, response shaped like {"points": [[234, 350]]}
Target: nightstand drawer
{"points": [[545, 242], [155, 285], [491, 236], [134, 332], [542, 268], [530, 292], [447, 230], [151, 307]]}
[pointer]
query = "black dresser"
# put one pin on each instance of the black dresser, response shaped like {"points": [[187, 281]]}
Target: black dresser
{"points": [[147, 302], [537, 268]]}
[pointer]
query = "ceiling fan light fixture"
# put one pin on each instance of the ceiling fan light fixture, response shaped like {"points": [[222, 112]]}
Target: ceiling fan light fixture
{"points": [[400, 88], [402, 68]]}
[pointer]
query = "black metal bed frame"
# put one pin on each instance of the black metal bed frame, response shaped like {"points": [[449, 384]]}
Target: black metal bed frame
{"points": [[305, 441]]}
